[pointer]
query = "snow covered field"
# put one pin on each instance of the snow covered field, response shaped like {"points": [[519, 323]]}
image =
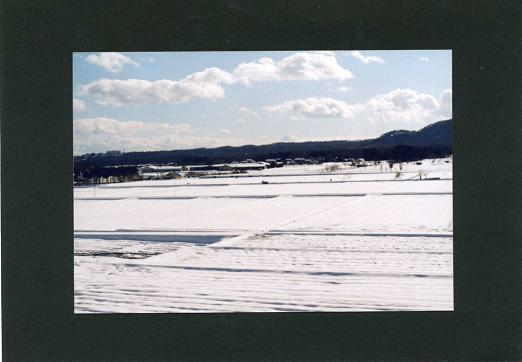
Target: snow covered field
{"points": [[355, 240]]}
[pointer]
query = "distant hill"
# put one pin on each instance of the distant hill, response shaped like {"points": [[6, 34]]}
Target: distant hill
{"points": [[438, 133], [434, 140]]}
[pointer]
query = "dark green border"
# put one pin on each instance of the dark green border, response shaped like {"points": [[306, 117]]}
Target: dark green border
{"points": [[37, 39]]}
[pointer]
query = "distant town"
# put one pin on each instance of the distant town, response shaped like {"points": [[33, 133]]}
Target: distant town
{"points": [[115, 174]]}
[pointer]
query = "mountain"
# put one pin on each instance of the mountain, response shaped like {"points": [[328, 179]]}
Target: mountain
{"points": [[438, 133], [433, 140]]}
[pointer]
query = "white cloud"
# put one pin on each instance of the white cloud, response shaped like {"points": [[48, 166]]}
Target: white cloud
{"points": [[423, 59], [78, 105], [209, 83], [315, 108], [181, 127], [102, 125], [369, 59], [100, 134], [399, 105], [110, 61], [298, 66], [225, 131], [402, 105], [206, 84]]}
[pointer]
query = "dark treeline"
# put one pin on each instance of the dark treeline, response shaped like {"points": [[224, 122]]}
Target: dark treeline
{"points": [[430, 142], [87, 170]]}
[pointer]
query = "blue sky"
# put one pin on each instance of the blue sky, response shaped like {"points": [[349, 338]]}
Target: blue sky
{"points": [[173, 100]]}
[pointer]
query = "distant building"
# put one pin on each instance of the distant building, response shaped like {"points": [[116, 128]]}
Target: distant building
{"points": [[172, 175], [360, 162], [351, 161], [274, 162]]}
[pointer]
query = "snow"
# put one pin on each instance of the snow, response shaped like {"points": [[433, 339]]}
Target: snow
{"points": [[361, 242], [323, 188], [413, 213], [310, 273]]}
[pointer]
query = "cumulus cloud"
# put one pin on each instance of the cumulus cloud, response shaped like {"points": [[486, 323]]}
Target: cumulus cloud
{"points": [[402, 105], [110, 61], [79, 105], [366, 59], [313, 107], [100, 134], [399, 105], [207, 84], [102, 125], [298, 66], [423, 59], [225, 131]]}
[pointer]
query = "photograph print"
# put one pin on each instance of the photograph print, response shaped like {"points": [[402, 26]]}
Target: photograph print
{"points": [[263, 181]]}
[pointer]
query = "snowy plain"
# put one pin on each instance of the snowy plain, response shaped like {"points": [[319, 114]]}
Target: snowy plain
{"points": [[358, 239]]}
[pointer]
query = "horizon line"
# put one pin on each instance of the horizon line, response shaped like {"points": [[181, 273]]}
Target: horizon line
{"points": [[265, 144]]}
